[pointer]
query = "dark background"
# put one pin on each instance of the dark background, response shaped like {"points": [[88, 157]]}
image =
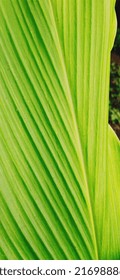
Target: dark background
{"points": [[114, 101], [118, 12]]}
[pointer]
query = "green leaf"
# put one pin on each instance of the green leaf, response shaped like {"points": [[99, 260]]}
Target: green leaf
{"points": [[59, 166]]}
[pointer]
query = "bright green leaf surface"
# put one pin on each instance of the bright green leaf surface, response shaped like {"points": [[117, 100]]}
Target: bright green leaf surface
{"points": [[59, 162]]}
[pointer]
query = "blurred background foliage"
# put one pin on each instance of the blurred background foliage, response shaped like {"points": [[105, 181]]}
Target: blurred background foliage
{"points": [[114, 101]]}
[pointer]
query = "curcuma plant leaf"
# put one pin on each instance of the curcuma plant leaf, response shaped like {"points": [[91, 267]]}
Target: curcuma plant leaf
{"points": [[59, 159]]}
